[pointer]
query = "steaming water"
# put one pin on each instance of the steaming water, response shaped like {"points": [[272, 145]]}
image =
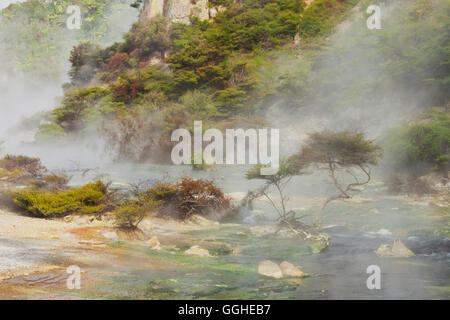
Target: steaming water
{"points": [[357, 229], [130, 270]]}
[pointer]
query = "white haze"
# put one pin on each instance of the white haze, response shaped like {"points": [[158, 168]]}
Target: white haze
{"points": [[349, 62], [23, 96], [5, 3]]}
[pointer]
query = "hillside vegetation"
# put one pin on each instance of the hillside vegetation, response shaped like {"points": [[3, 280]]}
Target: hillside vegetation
{"points": [[34, 37], [164, 75], [230, 70]]}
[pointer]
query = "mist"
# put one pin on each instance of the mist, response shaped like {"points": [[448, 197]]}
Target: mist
{"points": [[349, 86], [28, 95]]}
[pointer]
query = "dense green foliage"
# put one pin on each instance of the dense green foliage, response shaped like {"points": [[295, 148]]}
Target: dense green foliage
{"points": [[339, 150], [206, 70], [421, 143], [322, 16], [35, 34], [228, 70]]}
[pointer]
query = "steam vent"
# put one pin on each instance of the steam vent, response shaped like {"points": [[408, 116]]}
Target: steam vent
{"points": [[179, 10]]}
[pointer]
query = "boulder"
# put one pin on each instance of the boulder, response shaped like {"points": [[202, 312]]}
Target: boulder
{"points": [[197, 251], [289, 270], [176, 10], [396, 250], [270, 269]]}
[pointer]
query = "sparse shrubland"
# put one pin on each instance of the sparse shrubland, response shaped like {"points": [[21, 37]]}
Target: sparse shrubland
{"points": [[48, 195], [336, 152]]}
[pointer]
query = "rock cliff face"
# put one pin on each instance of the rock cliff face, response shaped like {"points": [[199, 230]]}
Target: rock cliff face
{"points": [[178, 10]]}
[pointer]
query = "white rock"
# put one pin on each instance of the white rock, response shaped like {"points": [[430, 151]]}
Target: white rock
{"points": [[270, 269], [289, 270], [197, 251]]}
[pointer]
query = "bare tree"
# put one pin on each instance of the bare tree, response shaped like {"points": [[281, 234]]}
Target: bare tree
{"points": [[289, 168]]}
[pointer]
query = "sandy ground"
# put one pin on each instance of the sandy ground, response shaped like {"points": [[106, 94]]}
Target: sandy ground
{"points": [[16, 226], [25, 241]]}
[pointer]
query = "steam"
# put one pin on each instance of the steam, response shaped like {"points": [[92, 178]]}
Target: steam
{"points": [[6, 3], [348, 88], [26, 96]]}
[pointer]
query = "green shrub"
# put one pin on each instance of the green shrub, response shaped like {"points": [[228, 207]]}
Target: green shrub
{"points": [[322, 16], [49, 132], [86, 199], [132, 212], [423, 142], [75, 105], [200, 105]]}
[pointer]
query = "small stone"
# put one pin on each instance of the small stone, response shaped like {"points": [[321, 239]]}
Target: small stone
{"points": [[289, 270], [270, 269], [197, 251], [235, 252]]}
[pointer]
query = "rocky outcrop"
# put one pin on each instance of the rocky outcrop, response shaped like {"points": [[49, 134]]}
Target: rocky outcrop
{"points": [[270, 269], [289, 270], [179, 10], [396, 250], [285, 269]]}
